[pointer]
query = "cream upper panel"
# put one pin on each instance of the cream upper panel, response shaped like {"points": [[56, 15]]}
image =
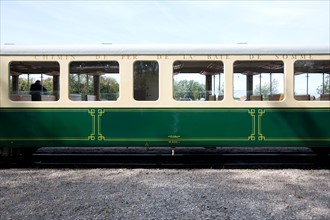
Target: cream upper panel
{"points": [[165, 62]]}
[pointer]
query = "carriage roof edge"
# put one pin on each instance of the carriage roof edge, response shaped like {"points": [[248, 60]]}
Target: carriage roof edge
{"points": [[155, 49]]}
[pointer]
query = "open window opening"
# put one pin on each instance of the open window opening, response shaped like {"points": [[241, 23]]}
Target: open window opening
{"points": [[198, 81], [312, 80], [258, 80], [94, 81], [34, 81]]}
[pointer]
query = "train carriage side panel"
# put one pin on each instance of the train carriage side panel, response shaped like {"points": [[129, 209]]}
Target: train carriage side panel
{"points": [[129, 122]]}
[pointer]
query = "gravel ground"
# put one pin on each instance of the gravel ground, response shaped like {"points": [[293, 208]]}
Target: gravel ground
{"points": [[164, 194]]}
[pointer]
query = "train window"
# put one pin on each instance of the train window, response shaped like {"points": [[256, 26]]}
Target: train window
{"points": [[94, 81], [258, 80], [198, 80], [34, 81], [146, 80], [312, 80]]}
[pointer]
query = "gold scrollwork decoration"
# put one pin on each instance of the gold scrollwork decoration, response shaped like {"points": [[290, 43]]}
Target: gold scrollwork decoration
{"points": [[99, 115], [100, 137], [91, 137], [261, 137], [252, 137], [261, 112]]}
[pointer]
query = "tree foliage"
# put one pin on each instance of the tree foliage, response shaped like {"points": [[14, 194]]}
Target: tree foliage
{"points": [[324, 88], [109, 88], [24, 84], [188, 89], [265, 89], [83, 84], [80, 84]]}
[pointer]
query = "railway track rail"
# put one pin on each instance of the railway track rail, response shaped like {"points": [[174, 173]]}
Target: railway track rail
{"points": [[180, 159]]}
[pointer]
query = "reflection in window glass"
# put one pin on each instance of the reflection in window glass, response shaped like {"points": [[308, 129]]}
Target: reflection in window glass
{"points": [[258, 81], [34, 81], [312, 80], [198, 81], [146, 81], [94, 81]]}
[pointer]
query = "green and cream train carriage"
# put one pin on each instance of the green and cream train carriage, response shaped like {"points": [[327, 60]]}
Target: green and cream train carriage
{"points": [[165, 95]]}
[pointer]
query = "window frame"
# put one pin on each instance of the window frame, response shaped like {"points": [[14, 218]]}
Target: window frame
{"points": [[96, 94], [309, 96], [31, 68], [250, 86], [211, 94], [135, 91]]}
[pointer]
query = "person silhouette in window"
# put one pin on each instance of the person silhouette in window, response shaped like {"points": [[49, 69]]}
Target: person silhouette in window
{"points": [[36, 90]]}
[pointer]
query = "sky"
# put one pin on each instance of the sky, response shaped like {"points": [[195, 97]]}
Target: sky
{"points": [[58, 22], [164, 22]]}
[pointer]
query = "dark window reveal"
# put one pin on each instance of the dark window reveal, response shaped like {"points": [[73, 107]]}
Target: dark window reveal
{"points": [[146, 81]]}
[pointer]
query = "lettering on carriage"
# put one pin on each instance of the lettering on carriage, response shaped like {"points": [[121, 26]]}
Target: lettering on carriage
{"points": [[129, 57], [162, 57], [294, 56], [254, 57], [55, 57], [217, 57], [99, 57], [187, 57]]}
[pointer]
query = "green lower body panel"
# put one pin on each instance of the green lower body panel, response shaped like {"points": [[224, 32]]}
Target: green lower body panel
{"points": [[177, 126], [46, 127], [96, 127], [294, 127]]}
